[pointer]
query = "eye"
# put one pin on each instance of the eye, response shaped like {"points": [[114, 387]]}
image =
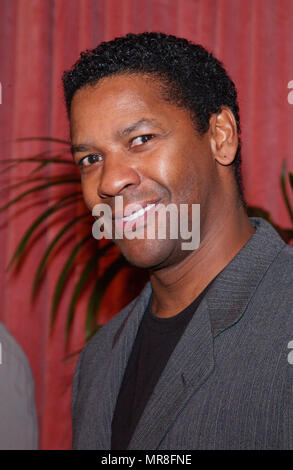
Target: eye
{"points": [[141, 139], [89, 160]]}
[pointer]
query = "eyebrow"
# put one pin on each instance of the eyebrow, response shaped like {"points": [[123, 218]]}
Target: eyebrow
{"points": [[80, 148], [136, 125], [84, 147]]}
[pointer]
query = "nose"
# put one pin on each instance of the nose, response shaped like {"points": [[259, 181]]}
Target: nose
{"points": [[116, 176]]}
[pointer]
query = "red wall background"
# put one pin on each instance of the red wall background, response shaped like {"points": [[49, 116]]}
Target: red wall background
{"points": [[41, 38]]}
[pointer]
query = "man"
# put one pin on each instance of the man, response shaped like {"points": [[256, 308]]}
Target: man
{"points": [[200, 359]]}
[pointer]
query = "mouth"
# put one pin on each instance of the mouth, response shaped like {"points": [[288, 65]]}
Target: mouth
{"points": [[137, 218], [138, 213]]}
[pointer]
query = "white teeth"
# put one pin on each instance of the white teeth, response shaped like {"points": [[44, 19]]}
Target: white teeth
{"points": [[137, 214]]}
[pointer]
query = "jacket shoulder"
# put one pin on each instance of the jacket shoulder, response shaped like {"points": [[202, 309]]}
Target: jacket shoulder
{"points": [[284, 265], [101, 343], [104, 337]]}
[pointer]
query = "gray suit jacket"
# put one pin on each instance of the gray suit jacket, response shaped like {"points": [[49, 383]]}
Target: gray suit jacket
{"points": [[228, 383]]}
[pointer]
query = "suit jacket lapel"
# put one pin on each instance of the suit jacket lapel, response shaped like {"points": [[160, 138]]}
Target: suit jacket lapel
{"points": [[121, 349], [189, 365]]}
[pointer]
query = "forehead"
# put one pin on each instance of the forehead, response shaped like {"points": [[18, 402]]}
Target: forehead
{"points": [[146, 85], [118, 99]]}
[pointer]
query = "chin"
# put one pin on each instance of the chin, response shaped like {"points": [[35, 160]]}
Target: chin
{"points": [[148, 254]]}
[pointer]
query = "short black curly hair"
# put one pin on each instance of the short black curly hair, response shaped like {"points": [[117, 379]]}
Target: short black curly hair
{"points": [[191, 76]]}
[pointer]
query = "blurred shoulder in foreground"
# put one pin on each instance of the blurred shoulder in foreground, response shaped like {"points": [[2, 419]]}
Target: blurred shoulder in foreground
{"points": [[18, 420]]}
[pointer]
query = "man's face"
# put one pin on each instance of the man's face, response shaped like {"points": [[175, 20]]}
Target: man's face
{"points": [[130, 142]]}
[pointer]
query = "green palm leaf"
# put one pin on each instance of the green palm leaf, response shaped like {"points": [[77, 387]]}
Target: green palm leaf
{"points": [[284, 190], [38, 157], [93, 332], [19, 252], [47, 162], [63, 276], [97, 294], [36, 179], [38, 188], [43, 139], [7, 168], [88, 268], [54, 159], [54, 242]]}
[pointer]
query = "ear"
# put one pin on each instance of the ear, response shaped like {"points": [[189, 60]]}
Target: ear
{"points": [[223, 136]]}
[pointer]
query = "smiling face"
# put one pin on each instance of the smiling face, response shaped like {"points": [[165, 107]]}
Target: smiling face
{"points": [[128, 141]]}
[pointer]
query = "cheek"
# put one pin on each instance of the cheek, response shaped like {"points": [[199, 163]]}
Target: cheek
{"points": [[89, 190], [180, 174], [167, 166]]}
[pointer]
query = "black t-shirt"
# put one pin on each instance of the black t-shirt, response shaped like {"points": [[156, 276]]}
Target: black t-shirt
{"points": [[154, 343]]}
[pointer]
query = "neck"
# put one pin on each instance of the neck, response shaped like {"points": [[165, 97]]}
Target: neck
{"points": [[176, 286]]}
